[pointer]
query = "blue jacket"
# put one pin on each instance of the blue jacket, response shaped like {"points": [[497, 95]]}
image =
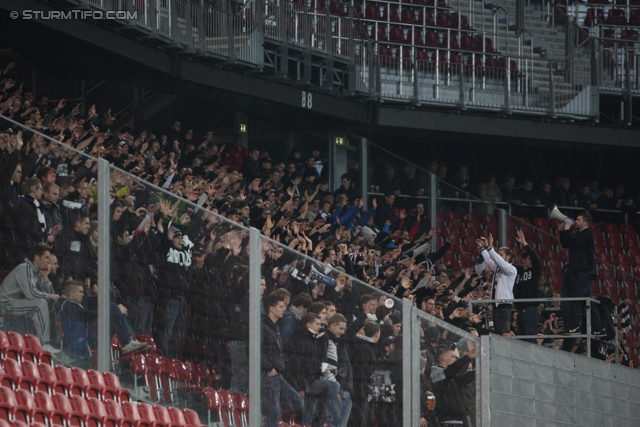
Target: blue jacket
{"points": [[74, 319]]}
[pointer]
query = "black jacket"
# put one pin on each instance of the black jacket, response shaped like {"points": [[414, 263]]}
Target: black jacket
{"points": [[31, 222], [526, 285], [272, 356], [581, 246], [308, 352], [447, 386]]}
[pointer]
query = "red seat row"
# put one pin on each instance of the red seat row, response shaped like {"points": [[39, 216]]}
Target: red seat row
{"points": [[17, 347], [62, 410]]}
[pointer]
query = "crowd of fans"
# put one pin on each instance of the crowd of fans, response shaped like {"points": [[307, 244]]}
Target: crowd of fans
{"points": [[180, 274], [521, 195]]}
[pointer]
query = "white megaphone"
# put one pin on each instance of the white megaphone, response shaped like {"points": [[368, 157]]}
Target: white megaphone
{"points": [[556, 214]]}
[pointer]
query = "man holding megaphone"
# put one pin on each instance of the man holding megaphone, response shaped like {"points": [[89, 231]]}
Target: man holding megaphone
{"points": [[580, 272]]}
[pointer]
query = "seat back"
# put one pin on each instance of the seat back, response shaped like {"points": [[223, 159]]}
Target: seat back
{"points": [[47, 373], [12, 369], [63, 374], [114, 409], [30, 371], [192, 417], [467, 42], [7, 396], [432, 39], [177, 416], [81, 406], [80, 377], [426, 18], [396, 35], [4, 341], [443, 19], [62, 403], [16, 340], [409, 16], [111, 380], [162, 414], [43, 401], [98, 378], [130, 410]]}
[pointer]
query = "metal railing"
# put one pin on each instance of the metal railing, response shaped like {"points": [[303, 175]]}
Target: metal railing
{"points": [[378, 65], [588, 327]]}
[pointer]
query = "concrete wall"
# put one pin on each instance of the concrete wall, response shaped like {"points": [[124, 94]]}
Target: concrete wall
{"points": [[533, 386]]}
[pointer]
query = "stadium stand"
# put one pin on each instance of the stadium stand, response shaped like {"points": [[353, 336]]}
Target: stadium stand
{"points": [[187, 360]]}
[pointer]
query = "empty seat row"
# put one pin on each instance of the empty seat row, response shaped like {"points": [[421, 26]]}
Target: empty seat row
{"points": [[27, 347], [432, 39], [62, 410], [614, 17], [415, 17]]}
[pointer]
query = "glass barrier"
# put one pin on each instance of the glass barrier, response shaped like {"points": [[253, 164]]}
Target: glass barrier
{"points": [[335, 332], [181, 266], [447, 365], [49, 234]]}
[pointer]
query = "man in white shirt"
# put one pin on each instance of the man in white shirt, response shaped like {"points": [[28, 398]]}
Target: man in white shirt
{"points": [[503, 281]]}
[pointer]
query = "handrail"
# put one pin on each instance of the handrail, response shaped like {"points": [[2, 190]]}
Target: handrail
{"points": [[588, 300]]}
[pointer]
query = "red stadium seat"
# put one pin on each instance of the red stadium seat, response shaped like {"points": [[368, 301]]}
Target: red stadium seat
{"points": [[616, 17], [461, 22], [409, 16], [627, 289], [193, 419], [379, 33], [469, 217], [452, 41], [443, 20], [81, 379], [213, 403], [594, 16], [97, 380], [99, 410], [17, 411], [556, 283], [114, 410], [130, 411], [425, 18], [338, 8], [26, 401], [31, 375], [65, 377], [162, 416], [372, 11], [63, 405], [44, 403], [605, 273], [414, 37], [396, 35], [629, 35], [621, 259], [448, 259], [432, 39], [466, 260], [610, 288], [112, 382], [623, 272], [392, 12], [615, 251], [14, 378], [8, 349], [452, 216], [35, 346]]}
